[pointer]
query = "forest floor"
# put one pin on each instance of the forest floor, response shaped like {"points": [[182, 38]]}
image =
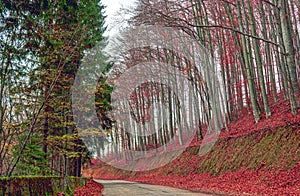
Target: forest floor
{"points": [[248, 159], [91, 188]]}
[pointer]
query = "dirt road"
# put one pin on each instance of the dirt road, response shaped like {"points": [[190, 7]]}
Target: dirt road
{"points": [[120, 188]]}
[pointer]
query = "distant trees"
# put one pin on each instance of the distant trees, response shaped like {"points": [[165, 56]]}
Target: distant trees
{"points": [[256, 43], [255, 46]]}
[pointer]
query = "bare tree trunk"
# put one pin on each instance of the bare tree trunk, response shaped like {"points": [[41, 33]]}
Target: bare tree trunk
{"points": [[246, 54], [293, 87]]}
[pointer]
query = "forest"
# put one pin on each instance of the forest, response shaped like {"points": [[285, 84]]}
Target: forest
{"points": [[178, 74], [248, 66]]}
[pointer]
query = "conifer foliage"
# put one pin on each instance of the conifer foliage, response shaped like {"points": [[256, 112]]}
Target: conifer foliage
{"points": [[42, 46]]}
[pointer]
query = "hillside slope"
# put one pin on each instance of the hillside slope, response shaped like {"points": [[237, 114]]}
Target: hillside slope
{"points": [[255, 159]]}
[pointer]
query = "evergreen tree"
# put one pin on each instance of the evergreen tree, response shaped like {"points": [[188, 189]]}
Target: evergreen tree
{"points": [[48, 39]]}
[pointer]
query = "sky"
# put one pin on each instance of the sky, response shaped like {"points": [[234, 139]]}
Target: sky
{"points": [[112, 7]]}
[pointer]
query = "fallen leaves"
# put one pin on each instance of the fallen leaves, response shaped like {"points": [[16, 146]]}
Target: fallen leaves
{"points": [[92, 188], [274, 172]]}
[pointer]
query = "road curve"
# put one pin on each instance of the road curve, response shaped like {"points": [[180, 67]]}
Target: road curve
{"points": [[126, 188]]}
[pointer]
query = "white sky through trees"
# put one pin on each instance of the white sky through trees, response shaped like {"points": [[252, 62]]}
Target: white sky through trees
{"points": [[112, 12]]}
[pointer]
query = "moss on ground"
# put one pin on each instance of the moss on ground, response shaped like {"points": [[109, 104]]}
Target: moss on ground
{"points": [[271, 150], [266, 149]]}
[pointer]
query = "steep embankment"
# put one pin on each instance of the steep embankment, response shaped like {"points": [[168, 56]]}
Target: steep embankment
{"points": [[256, 159]]}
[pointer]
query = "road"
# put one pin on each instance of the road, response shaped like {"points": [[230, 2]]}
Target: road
{"points": [[120, 188]]}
